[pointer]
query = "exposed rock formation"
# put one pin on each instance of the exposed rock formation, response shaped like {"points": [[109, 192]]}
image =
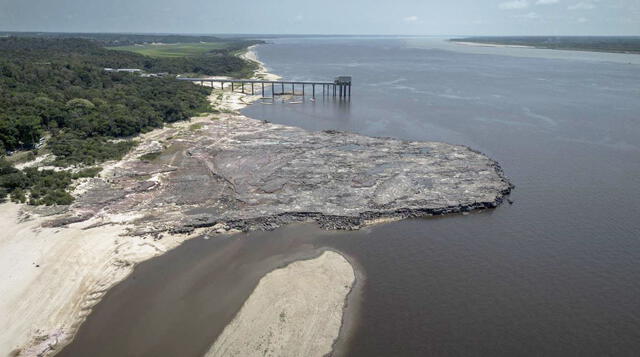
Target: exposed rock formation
{"points": [[236, 173]]}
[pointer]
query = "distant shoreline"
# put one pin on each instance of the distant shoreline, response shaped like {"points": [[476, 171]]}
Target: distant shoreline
{"points": [[488, 44], [621, 45]]}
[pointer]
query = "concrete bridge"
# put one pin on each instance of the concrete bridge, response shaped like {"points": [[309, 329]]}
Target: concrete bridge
{"points": [[340, 87]]}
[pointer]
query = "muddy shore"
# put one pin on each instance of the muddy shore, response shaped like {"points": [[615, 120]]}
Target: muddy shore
{"points": [[139, 209], [210, 281], [294, 311]]}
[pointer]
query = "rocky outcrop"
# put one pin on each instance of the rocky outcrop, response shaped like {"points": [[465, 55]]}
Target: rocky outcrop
{"points": [[237, 173]]}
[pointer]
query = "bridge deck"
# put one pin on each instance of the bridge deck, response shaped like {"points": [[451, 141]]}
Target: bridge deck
{"points": [[253, 81], [339, 87]]}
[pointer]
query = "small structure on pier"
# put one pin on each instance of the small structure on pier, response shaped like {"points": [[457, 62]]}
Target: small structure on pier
{"points": [[340, 87], [344, 85]]}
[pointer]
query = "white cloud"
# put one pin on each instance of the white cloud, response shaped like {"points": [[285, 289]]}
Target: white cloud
{"points": [[411, 19], [515, 4], [582, 6], [529, 16], [582, 20], [547, 2]]}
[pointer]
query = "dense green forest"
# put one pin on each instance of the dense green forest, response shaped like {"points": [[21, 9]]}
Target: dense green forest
{"points": [[124, 39], [618, 44], [74, 51], [56, 97]]}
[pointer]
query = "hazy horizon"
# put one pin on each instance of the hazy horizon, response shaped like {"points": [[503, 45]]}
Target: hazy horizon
{"points": [[247, 34], [330, 17]]}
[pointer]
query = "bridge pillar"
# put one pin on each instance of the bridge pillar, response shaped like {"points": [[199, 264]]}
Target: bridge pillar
{"points": [[262, 90]]}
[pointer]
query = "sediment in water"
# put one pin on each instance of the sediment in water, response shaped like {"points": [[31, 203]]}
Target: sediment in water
{"points": [[230, 173]]}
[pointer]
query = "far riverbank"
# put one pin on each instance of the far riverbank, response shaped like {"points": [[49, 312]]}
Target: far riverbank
{"points": [[604, 44]]}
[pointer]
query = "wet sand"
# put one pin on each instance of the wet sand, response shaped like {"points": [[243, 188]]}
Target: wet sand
{"points": [[50, 278], [294, 311], [53, 277], [263, 71], [210, 281]]}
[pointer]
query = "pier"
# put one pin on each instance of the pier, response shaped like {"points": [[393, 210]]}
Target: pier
{"points": [[340, 87]]}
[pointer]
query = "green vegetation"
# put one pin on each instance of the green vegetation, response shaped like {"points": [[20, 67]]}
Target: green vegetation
{"points": [[150, 156], [121, 39], [173, 50], [56, 88], [38, 187], [196, 126], [72, 148], [617, 44], [88, 172]]}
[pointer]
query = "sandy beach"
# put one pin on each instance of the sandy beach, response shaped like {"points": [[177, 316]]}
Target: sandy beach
{"points": [[57, 264], [294, 311], [50, 278], [262, 72], [480, 44]]}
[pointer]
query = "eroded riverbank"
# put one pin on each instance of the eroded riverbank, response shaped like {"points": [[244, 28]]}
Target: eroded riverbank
{"points": [[180, 302], [219, 174]]}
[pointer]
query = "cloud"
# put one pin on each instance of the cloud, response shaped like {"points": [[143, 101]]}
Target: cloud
{"points": [[528, 16], [582, 6], [513, 5], [547, 2], [411, 19], [582, 20]]}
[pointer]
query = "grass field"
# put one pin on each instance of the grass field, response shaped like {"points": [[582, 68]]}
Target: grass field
{"points": [[173, 50]]}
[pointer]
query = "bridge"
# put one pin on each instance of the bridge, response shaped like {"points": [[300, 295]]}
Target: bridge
{"points": [[340, 87]]}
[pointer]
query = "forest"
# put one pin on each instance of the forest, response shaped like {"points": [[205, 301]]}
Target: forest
{"points": [[124, 39], [56, 98]]}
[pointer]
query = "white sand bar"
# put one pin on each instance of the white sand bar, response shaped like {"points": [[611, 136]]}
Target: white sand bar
{"points": [[50, 278], [294, 311]]}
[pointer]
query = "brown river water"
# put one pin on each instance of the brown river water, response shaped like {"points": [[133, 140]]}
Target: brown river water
{"points": [[554, 274]]}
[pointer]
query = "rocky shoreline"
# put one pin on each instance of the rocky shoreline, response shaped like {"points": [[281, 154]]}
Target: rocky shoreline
{"points": [[219, 173], [238, 174]]}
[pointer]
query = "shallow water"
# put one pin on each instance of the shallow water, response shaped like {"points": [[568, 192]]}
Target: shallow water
{"points": [[176, 304], [556, 273]]}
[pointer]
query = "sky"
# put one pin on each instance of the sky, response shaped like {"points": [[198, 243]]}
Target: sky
{"points": [[389, 17]]}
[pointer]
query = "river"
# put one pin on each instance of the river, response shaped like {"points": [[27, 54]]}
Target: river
{"points": [[555, 273]]}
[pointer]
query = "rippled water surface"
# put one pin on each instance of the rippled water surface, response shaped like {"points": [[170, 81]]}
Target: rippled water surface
{"points": [[557, 272], [554, 274]]}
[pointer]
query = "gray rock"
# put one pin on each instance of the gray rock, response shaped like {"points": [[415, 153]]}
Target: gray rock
{"points": [[246, 174]]}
